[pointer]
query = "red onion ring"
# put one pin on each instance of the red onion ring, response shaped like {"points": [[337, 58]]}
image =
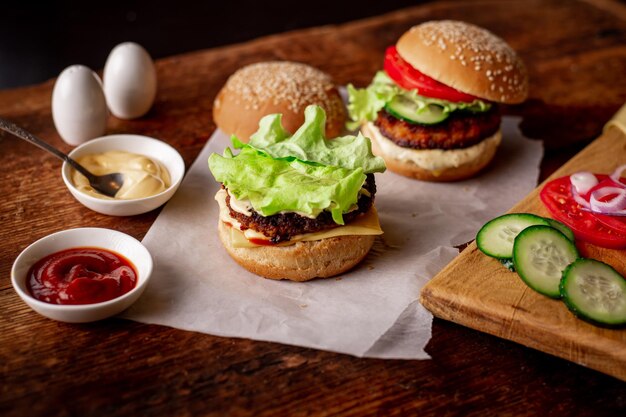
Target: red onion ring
{"points": [[615, 206], [583, 181], [580, 200], [617, 174]]}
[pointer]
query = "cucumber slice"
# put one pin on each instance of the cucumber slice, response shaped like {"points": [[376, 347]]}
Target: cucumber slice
{"points": [[561, 228], [496, 237], [594, 291], [540, 254], [406, 109]]}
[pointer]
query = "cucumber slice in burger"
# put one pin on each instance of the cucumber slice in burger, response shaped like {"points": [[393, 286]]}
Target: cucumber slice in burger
{"points": [[406, 109]]}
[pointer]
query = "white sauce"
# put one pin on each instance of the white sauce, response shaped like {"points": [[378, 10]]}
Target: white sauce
{"points": [[433, 159], [225, 217], [245, 207], [143, 176], [240, 206]]}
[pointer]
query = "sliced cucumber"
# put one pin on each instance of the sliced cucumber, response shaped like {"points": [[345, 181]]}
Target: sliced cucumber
{"points": [[496, 237], [561, 228], [406, 109], [540, 254], [594, 291]]}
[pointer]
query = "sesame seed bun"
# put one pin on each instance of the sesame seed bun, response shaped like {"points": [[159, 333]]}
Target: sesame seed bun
{"points": [[406, 161], [302, 261], [467, 58], [266, 88]]}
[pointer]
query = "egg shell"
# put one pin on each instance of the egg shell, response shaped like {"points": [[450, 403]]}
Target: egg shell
{"points": [[130, 82], [79, 108]]}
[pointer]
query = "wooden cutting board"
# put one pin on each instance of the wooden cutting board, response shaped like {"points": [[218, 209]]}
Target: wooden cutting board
{"points": [[478, 292]]}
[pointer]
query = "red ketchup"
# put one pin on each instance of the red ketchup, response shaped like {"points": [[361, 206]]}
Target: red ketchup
{"points": [[81, 276]]}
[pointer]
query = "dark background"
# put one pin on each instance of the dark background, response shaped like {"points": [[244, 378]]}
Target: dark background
{"points": [[38, 39]]}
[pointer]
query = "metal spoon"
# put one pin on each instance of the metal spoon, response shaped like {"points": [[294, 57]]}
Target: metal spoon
{"points": [[108, 184]]}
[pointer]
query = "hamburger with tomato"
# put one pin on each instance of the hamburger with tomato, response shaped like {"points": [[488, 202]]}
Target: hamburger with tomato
{"points": [[433, 112]]}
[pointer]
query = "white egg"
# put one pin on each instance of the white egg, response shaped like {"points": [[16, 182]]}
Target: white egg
{"points": [[130, 82], [79, 108]]}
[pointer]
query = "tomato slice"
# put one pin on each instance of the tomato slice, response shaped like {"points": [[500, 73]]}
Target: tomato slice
{"points": [[598, 229], [409, 78]]}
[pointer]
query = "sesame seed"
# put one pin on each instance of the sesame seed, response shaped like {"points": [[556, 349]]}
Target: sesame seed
{"points": [[489, 55], [293, 83]]}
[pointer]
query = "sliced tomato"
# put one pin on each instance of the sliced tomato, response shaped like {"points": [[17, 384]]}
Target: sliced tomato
{"points": [[409, 78], [600, 230]]}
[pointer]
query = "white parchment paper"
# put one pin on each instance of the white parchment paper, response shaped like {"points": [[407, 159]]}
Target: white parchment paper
{"points": [[371, 311]]}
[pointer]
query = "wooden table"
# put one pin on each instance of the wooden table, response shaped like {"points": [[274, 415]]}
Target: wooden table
{"points": [[576, 54]]}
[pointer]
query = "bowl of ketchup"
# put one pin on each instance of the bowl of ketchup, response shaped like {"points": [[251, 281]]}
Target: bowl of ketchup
{"points": [[82, 275]]}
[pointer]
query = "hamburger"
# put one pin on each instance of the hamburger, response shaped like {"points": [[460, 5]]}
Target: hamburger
{"points": [[298, 206], [433, 113], [281, 87]]}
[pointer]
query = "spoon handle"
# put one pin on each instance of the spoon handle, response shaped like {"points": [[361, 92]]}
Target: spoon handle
{"points": [[29, 137]]}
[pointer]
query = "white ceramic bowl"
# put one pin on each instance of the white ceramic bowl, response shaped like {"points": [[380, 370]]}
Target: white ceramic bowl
{"points": [[142, 145], [112, 240]]}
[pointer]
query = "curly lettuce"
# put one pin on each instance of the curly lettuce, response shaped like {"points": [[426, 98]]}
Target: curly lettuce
{"points": [[303, 172], [365, 103], [308, 143]]}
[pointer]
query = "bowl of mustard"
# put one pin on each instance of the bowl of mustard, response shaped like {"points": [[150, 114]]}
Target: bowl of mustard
{"points": [[151, 168]]}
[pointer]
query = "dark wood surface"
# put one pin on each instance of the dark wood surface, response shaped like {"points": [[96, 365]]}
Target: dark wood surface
{"points": [[576, 54], [47, 36]]}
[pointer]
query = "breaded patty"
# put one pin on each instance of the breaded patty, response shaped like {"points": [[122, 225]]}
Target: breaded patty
{"points": [[281, 227], [460, 130]]}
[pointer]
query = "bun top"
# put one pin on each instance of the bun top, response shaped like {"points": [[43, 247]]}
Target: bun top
{"points": [[283, 87], [467, 58]]}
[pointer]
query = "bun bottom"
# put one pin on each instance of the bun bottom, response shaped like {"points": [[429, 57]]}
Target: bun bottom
{"points": [[410, 169], [301, 261]]}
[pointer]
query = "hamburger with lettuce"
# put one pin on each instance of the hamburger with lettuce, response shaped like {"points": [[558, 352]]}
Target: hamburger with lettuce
{"points": [[433, 112], [298, 206]]}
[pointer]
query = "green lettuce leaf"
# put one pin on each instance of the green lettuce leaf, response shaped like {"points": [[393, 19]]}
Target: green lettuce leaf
{"points": [[308, 143], [365, 103], [303, 173], [276, 185]]}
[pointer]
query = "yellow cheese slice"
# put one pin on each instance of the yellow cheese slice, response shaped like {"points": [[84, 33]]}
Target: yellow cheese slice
{"points": [[364, 225]]}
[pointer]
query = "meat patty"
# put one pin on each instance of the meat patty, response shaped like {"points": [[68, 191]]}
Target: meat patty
{"points": [[281, 227], [460, 130]]}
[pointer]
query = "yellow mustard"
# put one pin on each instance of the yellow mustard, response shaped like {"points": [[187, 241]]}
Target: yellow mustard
{"points": [[143, 177]]}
